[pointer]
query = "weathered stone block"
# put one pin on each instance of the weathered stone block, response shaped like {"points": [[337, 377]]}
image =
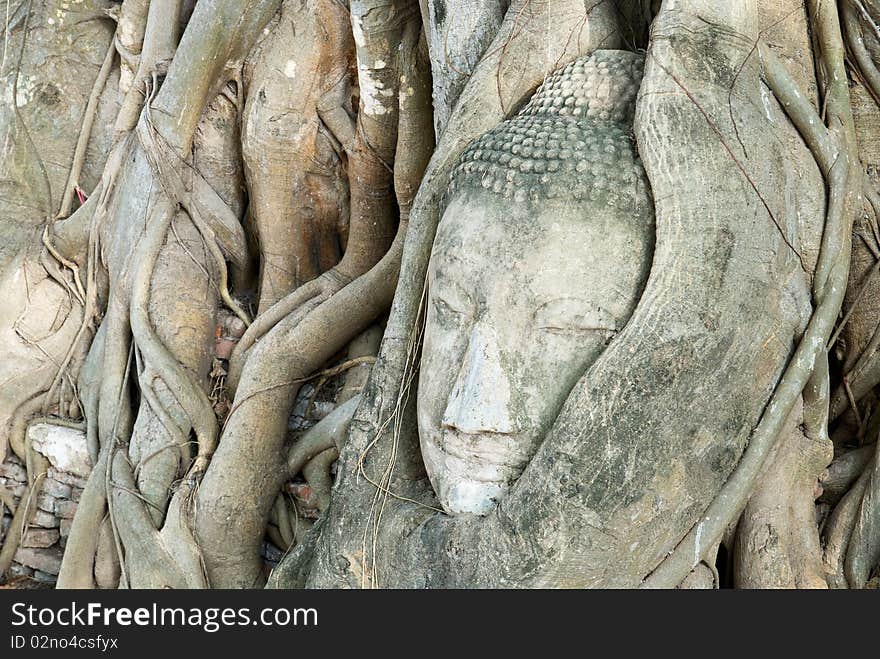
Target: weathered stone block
{"points": [[40, 537], [68, 479], [56, 489], [13, 471], [13, 487], [65, 509], [65, 447], [46, 502], [46, 560], [45, 577], [19, 570], [44, 520]]}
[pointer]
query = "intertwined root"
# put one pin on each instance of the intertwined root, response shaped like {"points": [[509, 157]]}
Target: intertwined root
{"points": [[159, 338], [159, 222], [302, 331]]}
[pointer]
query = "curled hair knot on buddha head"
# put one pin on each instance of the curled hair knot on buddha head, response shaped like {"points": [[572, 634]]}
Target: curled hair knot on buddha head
{"points": [[572, 141]]}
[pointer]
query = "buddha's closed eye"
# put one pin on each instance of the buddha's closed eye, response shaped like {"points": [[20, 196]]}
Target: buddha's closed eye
{"points": [[451, 302], [570, 316]]}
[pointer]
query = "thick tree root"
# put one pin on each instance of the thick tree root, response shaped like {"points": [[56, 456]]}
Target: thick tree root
{"points": [[328, 433], [777, 540], [296, 130], [839, 529], [863, 548], [834, 152], [844, 471]]}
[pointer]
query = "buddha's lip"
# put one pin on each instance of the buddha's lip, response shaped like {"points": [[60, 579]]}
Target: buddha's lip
{"points": [[467, 447]]}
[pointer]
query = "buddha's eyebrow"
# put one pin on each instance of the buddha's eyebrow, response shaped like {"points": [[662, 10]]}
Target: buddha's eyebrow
{"points": [[566, 302], [577, 306], [447, 284], [454, 261]]}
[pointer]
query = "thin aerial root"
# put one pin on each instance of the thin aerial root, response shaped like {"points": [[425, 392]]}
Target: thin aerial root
{"points": [[286, 383], [79, 291], [863, 286], [223, 285], [91, 112], [861, 58]]}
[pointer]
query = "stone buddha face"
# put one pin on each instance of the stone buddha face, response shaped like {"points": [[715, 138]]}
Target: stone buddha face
{"points": [[539, 260]]}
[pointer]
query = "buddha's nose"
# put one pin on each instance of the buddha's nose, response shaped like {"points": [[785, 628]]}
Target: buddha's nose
{"points": [[480, 398]]}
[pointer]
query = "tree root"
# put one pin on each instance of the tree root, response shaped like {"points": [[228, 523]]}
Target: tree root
{"points": [[844, 471], [839, 529], [91, 112], [129, 40], [301, 301], [328, 433], [78, 566], [191, 397], [317, 475], [156, 547], [295, 151], [833, 150], [366, 345], [161, 33], [37, 469], [777, 541], [855, 44], [282, 521], [248, 471], [860, 365], [863, 548]]}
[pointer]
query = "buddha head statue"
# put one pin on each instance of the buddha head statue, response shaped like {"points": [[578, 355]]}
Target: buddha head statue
{"points": [[541, 254]]}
